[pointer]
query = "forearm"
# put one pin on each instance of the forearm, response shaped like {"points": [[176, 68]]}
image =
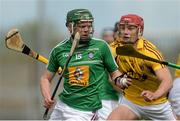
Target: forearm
{"points": [[118, 89], [163, 88], [115, 74], [166, 82], [45, 88]]}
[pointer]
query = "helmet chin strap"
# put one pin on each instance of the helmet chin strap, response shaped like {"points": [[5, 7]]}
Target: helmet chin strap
{"points": [[140, 32]]}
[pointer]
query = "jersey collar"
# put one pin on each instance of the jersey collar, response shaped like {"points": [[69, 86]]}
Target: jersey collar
{"points": [[140, 43]]}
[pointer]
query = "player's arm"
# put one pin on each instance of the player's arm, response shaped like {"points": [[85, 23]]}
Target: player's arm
{"points": [[45, 84], [163, 75], [165, 79]]}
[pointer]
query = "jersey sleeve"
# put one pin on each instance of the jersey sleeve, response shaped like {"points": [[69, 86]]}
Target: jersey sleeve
{"points": [[108, 58], [53, 62]]}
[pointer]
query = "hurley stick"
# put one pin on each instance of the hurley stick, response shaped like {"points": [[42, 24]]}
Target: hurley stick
{"points": [[73, 47], [15, 42], [129, 50]]}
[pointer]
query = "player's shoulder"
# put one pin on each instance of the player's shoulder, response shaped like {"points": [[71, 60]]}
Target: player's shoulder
{"points": [[151, 50], [148, 43], [59, 46], [62, 43]]}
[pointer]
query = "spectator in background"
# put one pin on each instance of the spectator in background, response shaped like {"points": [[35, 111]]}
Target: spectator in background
{"points": [[174, 94], [116, 27], [108, 35], [117, 39], [177, 72]]}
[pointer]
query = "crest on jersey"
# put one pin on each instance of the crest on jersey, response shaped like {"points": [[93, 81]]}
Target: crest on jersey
{"points": [[90, 55], [78, 74]]}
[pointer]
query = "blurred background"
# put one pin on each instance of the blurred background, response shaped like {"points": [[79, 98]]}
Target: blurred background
{"points": [[42, 25]]}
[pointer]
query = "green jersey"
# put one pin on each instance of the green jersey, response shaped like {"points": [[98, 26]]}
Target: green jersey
{"points": [[107, 91], [85, 74]]}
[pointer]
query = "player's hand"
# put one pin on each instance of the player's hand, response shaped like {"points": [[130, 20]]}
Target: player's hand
{"points": [[148, 96], [123, 81], [48, 103]]}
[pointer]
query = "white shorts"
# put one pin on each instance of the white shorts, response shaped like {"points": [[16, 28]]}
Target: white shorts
{"points": [[63, 112], [152, 112], [174, 96], [107, 107]]}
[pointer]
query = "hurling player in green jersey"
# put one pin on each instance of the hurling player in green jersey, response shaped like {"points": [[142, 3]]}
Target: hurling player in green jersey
{"points": [[85, 74]]}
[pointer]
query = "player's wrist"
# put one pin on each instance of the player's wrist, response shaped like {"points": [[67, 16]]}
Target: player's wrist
{"points": [[118, 79]]}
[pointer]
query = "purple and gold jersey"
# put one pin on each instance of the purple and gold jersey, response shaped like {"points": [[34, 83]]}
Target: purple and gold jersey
{"points": [[142, 73], [84, 76]]}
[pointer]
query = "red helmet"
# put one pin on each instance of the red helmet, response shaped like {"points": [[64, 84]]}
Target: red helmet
{"points": [[133, 18]]}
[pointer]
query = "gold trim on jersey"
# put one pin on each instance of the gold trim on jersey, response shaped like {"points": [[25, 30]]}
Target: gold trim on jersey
{"points": [[150, 48]]}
